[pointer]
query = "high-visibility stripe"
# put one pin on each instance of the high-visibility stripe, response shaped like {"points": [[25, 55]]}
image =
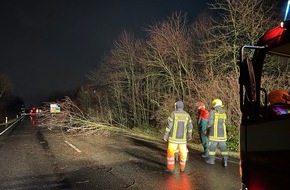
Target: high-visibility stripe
{"points": [[211, 153], [170, 160], [219, 134], [170, 166], [219, 139], [170, 163], [179, 134], [182, 162]]}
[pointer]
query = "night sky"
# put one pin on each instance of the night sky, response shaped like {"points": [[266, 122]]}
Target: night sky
{"points": [[50, 45]]}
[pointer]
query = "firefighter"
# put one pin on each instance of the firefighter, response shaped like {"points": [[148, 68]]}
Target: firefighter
{"points": [[202, 126], [217, 132], [177, 133], [278, 97], [279, 101]]}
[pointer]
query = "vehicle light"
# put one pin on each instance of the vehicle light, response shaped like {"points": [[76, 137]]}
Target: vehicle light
{"points": [[287, 10]]}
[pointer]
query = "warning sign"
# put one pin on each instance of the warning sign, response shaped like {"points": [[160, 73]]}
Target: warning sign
{"points": [[54, 108]]}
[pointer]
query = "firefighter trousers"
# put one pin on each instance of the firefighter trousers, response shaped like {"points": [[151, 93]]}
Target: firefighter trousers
{"points": [[171, 149], [223, 149], [204, 141]]}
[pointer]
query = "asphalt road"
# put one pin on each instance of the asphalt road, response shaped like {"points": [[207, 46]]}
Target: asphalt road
{"points": [[33, 158]]}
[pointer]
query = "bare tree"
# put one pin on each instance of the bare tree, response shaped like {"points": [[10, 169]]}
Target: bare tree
{"points": [[124, 74], [170, 53], [5, 85], [234, 24], [218, 41]]}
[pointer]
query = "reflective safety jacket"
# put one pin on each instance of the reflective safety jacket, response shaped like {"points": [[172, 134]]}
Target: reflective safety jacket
{"points": [[179, 126], [216, 124]]}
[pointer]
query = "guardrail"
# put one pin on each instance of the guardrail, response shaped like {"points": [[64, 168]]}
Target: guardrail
{"points": [[9, 127]]}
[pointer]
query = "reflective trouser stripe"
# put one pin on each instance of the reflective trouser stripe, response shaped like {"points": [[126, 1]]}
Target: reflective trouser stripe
{"points": [[212, 148], [211, 153], [182, 164], [170, 163]]}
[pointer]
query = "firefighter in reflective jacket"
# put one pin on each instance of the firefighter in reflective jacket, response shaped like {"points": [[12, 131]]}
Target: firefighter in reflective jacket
{"points": [[217, 132], [178, 131]]}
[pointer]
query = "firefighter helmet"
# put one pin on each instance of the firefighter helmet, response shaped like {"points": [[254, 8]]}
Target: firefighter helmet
{"points": [[278, 97], [217, 102], [200, 105]]}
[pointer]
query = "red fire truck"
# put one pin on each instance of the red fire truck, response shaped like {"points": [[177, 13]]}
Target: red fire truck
{"points": [[265, 125]]}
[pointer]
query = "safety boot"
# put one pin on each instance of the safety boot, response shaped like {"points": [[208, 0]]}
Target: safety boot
{"points": [[169, 171], [225, 163], [210, 161], [204, 155]]}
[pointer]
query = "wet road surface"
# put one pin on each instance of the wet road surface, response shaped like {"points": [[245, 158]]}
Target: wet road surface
{"points": [[35, 158]]}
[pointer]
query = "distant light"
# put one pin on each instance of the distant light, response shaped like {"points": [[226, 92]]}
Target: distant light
{"points": [[285, 25], [287, 10]]}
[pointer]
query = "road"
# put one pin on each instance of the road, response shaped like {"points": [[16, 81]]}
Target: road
{"points": [[33, 158]]}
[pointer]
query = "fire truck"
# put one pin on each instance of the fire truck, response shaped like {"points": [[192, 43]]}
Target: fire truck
{"points": [[265, 125]]}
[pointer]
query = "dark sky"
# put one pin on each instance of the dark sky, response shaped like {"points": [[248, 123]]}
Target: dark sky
{"points": [[50, 45]]}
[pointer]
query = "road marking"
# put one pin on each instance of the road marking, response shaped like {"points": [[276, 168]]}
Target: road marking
{"points": [[76, 149]]}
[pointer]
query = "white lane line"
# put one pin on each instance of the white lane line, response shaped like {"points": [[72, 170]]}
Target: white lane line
{"points": [[76, 149]]}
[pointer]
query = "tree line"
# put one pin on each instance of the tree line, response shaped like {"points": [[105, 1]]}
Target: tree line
{"points": [[138, 80], [10, 105]]}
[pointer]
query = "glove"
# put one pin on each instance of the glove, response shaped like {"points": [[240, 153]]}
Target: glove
{"points": [[204, 132], [165, 138]]}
